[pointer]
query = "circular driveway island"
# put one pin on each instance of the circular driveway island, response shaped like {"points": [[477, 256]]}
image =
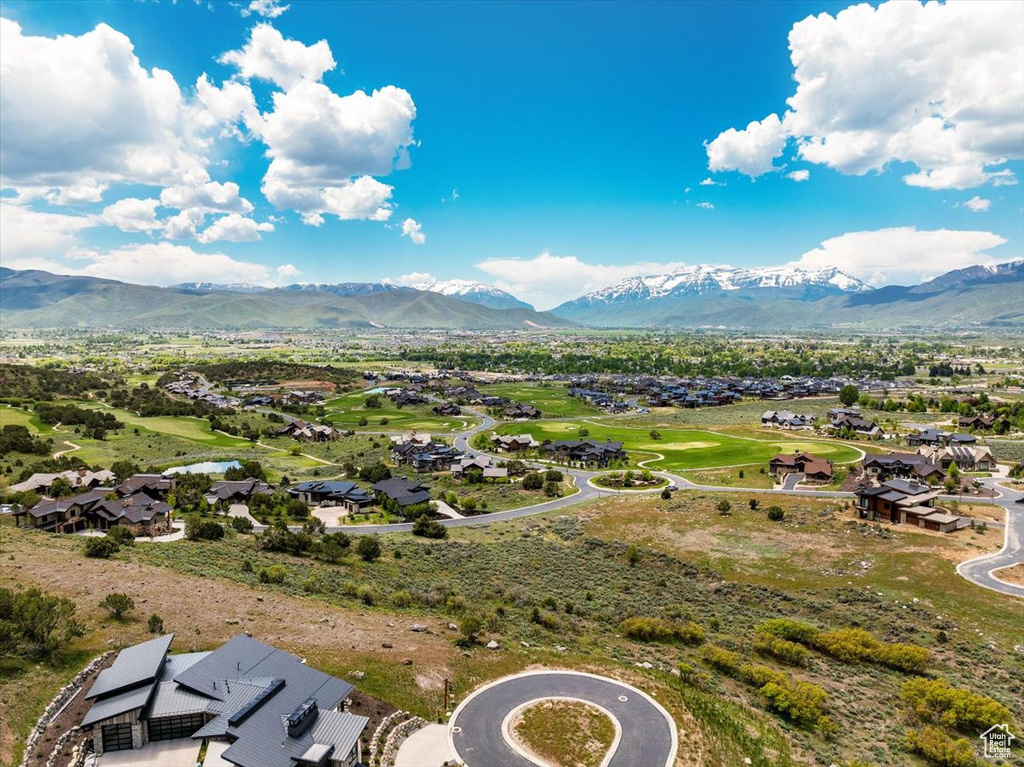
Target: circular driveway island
{"points": [[645, 733]]}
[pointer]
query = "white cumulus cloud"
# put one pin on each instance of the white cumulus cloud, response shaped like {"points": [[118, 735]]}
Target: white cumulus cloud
{"points": [[548, 280], [269, 56], [706, 205], [27, 233], [130, 214], [81, 112], [413, 229], [751, 151], [903, 255], [977, 204], [268, 9], [936, 85], [234, 227], [799, 175]]}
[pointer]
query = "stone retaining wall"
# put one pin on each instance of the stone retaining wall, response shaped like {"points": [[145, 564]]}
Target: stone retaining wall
{"points": [[66, 693]]}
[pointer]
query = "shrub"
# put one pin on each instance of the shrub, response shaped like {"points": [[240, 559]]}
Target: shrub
{"points": [[938, 748], [552, 489], [155, 624], [775, 513], [754, 503], [666, 494], [937, 701], [469, 630], [117, 604], [401, 598], [533, 481], [724, 507], [545, 619], [429, 528], [367, 595], [122, 535], [724, 660], [781, 649], [786, 628], [802, 702], [273, 574], [101, 548], [241, 524], [199, 529], [553, 475], [661, 630], [851, 645], [368, 548], [633, 555]]}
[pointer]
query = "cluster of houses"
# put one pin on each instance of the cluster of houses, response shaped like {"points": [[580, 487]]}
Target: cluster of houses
{"points": [[254, 705], [188, 385], [601, 399], [711, 391], [139, 503]]}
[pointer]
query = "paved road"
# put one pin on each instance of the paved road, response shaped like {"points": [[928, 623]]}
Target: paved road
{"points": [[980, 570], [648, 734]]}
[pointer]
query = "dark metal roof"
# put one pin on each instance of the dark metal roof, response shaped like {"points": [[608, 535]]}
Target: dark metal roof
{"points": [[133, 666], [119, 704]]}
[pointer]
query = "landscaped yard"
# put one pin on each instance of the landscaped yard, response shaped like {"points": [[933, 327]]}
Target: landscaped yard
{"points": [[564, 732], [686, 449]]}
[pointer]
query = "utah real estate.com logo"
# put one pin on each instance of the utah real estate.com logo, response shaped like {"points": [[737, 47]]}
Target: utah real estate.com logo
{"points": [[997, 741]]}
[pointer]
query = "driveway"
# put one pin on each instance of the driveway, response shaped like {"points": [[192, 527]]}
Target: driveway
{"points": [[477, 728], [980, 570]]}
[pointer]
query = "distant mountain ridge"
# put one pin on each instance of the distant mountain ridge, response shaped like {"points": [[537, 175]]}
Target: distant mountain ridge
{"points": [[471, 290], [795, 298], [40, 299]]}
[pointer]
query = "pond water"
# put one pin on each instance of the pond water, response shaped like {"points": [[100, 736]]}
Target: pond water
{"points": [[205, 467]]}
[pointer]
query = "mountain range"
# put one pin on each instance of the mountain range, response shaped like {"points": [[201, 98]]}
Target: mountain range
{"points": [[776, 298]]}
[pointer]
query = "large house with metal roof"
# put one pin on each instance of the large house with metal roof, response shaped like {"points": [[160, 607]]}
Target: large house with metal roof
{"points": [[904, 501], [270, 708], [333, 493]]}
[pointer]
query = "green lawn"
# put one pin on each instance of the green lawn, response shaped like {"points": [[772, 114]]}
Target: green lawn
{"points": [[550, 398], [347, 411], [686, 448], [185, 427]]}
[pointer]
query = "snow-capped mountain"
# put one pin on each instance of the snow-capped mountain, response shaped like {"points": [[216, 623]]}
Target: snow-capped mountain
{"points": [[704, 279], [219, 287], [474, 292], [346, 289]]}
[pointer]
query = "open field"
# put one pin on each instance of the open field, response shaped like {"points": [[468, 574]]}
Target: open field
{"points": [[726, 573], [550, 397], [686, 449], [347, 411]]}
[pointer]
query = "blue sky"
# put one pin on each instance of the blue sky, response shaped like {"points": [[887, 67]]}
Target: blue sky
{"points": [[576, 135]]}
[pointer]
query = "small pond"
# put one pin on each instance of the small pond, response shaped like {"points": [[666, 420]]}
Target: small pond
{"points": [[206, 467]]}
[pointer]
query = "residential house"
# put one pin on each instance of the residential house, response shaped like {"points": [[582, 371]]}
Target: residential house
{"points": [[308, 432], [80, 479], [400, 492], [813, 468], [928, 436], [902, 501], [139, 512], [425, 457], [587, 452], [449, 410], [267, 706], [983, 422], [513, 443], [333, 493], [787, 419], [64, 515], [854, 421], [966, 458], [907, 465], [154, 485], [236, 491], [517, 411], [482, 463]]}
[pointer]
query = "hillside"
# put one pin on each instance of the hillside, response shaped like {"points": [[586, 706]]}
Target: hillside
{"points": [[40, 299]]}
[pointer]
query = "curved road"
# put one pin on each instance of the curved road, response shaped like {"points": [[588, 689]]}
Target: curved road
{"points": [[980, 570], [477, 728]]}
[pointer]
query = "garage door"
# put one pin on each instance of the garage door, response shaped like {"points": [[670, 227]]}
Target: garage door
{"points": [[117, 737], [171, 727]]}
